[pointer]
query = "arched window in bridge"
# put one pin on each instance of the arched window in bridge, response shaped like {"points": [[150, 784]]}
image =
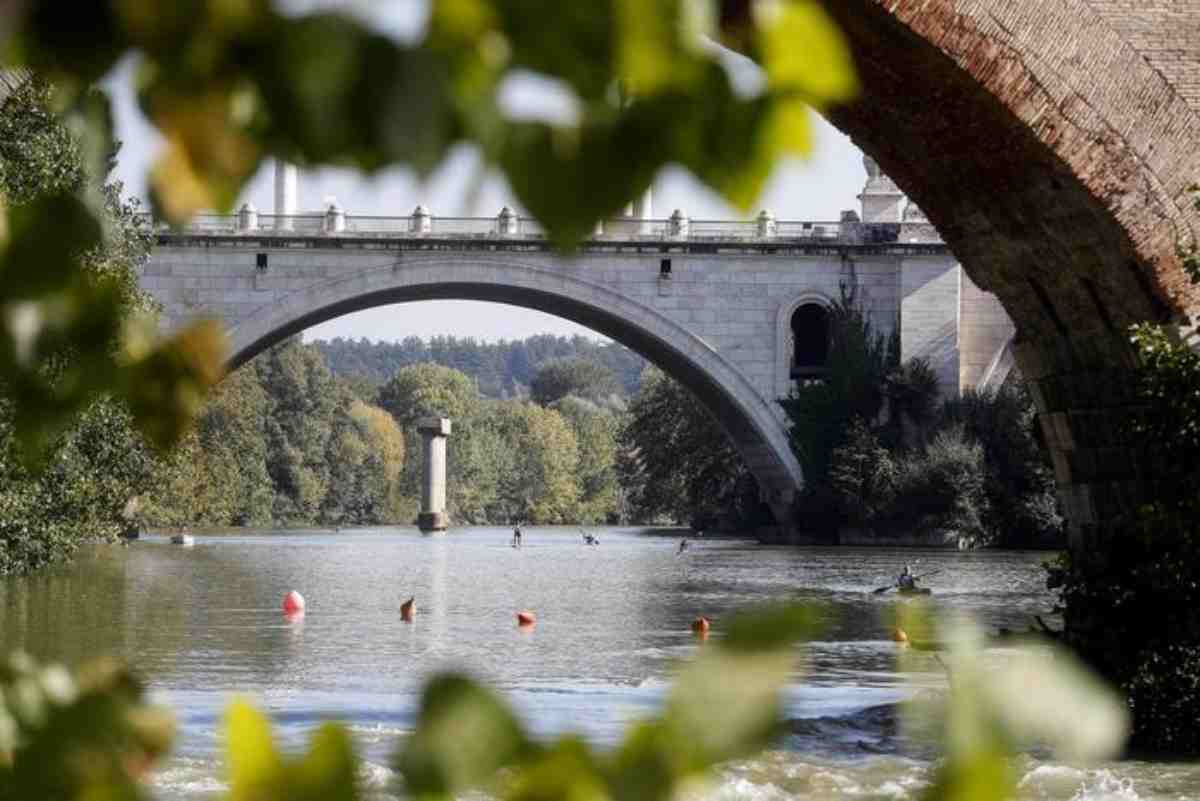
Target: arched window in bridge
{"points": [[810, 342]]}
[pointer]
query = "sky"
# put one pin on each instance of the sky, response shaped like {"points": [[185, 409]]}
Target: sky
{"points": [[816, 188]]}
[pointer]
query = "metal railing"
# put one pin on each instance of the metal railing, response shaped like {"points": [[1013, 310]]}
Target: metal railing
{"points": [[509, 226]]}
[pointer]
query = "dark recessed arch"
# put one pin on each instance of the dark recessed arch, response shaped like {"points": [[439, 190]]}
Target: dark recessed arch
{"points": [[810, 337]]}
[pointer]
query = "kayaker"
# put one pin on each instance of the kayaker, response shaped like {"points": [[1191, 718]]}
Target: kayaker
{"points": [[906, 580]]}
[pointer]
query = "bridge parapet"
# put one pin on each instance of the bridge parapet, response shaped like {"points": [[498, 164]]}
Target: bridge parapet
{"points": [[510, 227]]}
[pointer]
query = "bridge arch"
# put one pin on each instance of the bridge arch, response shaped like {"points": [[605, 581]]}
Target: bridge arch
{"points": [[753, 426], [1052, 143]]}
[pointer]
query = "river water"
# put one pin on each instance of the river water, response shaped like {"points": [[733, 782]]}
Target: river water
{"points": [[203, 624]]}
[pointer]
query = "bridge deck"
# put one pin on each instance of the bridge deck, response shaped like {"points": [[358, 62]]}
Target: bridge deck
{"points": [[322, 230]]}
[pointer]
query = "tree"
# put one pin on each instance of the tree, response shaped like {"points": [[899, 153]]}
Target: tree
{"points": [[676, 463], [578, 377], [94, 470], [941, 487], [428, 390], [820, 413], [537, 481], [596, 435], [863, 476], [1022, 502], [301, 396]]}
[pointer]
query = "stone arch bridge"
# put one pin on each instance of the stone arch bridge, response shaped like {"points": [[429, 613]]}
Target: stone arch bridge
{"points": [[714, 304], [1052, 142]]}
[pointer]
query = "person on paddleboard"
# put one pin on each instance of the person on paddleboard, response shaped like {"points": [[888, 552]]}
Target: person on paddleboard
{"points": [[906, 580], [516, 540]]}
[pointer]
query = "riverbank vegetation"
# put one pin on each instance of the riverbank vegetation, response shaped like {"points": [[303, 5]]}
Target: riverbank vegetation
{"points": [[883, 456], [1129, 595], [85, 473], [286, 442]]}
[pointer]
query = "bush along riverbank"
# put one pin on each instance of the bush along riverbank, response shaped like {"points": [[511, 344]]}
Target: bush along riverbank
{"points": [[888, 463]]}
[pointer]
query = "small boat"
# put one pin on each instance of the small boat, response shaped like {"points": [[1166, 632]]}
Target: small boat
{"points": [[183, 539], [914, 591]]}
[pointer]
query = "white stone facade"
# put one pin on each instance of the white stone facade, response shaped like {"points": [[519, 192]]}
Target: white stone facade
{"points": [[719, 322]]}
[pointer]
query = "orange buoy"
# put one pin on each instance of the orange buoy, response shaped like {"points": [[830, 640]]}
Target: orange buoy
{"points": [[293, 602], [899, 636], [700, 626], [407, 609], [526, 618]]}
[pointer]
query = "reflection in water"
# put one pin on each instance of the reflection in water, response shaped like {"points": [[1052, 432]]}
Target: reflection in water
{"points": [[205, 622]]}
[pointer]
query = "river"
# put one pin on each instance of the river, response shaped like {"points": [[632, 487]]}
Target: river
{"points": [[203, 623]]}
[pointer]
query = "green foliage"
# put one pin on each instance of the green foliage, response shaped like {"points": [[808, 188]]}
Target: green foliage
{"points": [[911, 390], [595, 430], [1022, 507], [1189, 252], [942, 487], [325, 88], [69, 249], [579, 377], [820, 413], [76, 737], [677, 465], [1128, 610], [1039, 696], [501, 369], [91, 471], [863, 476], [258, 771], [226, 84], [428, 390], [878, 453], [537, 476], [1168, 422], [282, 441]]}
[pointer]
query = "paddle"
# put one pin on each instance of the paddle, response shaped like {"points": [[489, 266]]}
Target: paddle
{"points": [[915, 579]]}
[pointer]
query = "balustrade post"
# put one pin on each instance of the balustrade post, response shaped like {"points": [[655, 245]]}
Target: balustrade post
{"points": [[679, 225], [335, 219], [507, 223], [247, 218], [767, 227], [421, 221]]}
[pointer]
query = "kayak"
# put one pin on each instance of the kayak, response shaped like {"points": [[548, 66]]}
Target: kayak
{"points": [[914, 590]]}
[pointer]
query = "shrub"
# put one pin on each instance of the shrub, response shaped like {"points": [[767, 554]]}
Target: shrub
{"points": [[1021, 500], [942, 487], [1129, 610], [862, 476]]}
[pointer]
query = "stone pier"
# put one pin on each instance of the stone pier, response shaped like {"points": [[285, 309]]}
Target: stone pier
{"points": [[434, 431]]}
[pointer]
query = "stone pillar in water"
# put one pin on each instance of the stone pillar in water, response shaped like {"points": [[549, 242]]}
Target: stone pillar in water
{"points": [[434, 431]]}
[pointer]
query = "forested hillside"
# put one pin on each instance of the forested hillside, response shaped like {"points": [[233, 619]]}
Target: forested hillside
{"points": [[501, 369]]}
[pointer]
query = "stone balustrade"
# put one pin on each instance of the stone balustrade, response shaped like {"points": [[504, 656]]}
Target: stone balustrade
{"points": [[508, 225]]}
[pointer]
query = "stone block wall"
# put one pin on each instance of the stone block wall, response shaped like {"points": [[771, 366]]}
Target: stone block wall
{"points": [[930, 292], [984, 328]]}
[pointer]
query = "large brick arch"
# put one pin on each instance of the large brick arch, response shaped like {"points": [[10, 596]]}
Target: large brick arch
{"points": [[751, 423], [1052, 142]]}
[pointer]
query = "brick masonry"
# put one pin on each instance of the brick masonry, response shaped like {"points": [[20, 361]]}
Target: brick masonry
{"points": [[1052, 143]]}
